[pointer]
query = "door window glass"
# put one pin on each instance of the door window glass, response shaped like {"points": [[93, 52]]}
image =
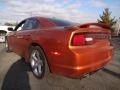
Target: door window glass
{"points": [[30, 24]]}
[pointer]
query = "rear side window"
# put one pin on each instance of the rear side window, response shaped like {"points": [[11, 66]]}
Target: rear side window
{"points": [[59, 22], [30, 24]]}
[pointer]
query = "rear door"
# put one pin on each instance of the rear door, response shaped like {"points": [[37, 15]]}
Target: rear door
{"points": [[25, 35], [11, 36]]}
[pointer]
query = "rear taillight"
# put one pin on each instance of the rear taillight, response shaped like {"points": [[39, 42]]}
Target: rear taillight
{"points": [[81, 40], [89, 38]]}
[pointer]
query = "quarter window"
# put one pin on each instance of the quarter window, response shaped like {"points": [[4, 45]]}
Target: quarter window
{"points": [[60, 22]]}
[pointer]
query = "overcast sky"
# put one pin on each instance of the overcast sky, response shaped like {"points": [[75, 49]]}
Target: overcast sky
{"points": [[74, 10]]}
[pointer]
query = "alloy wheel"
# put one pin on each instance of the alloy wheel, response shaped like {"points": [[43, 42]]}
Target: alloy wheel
{"points": [[36, 63]]}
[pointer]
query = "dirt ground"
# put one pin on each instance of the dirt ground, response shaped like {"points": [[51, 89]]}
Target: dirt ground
{"points": [[15, 74]]}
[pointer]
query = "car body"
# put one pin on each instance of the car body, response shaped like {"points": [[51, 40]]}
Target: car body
{"points": [[70, 50]]}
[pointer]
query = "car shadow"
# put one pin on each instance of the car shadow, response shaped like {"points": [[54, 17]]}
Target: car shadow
{"points": [[17, 77], [112, 73]]}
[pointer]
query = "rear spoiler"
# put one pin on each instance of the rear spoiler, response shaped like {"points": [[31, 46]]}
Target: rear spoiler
{"points": [[87, 25], [103, 25]]}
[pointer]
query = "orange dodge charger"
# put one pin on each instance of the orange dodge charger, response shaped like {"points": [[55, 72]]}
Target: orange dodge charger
{"points": [[61, 47]]}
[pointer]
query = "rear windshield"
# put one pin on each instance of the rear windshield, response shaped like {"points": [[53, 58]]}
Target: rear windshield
{"points": [[60, 22]]}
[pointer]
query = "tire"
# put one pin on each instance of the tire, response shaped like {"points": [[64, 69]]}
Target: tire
{"points": [[7, 46], [38, 62]]}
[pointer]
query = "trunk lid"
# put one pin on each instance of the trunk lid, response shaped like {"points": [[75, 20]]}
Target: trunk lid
{"points": [[92, 33]]}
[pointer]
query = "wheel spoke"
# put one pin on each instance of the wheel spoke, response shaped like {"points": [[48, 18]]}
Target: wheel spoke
{"points": [[34, 66], [34, 56], [39, 69], [36, 71]]}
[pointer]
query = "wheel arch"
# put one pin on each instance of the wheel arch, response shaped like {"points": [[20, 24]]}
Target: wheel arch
{"points": [[37, 44]]}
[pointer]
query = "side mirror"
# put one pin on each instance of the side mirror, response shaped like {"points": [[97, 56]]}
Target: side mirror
{"points": [[10, 29]]}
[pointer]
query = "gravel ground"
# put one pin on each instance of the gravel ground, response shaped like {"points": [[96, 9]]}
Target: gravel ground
{"points": [[15, 74]]}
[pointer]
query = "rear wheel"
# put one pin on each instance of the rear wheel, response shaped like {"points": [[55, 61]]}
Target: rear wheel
{"points": [[38, 62]]}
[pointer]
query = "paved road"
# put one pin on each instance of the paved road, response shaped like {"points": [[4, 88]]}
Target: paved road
{"points": [[15, 74]]}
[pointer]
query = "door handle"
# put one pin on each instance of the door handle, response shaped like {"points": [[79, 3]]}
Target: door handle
{"points": [[15, 35], [27, 37], [19, 37]]}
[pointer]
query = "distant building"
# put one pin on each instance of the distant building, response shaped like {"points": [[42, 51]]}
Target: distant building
{"points": [[116, 28]]}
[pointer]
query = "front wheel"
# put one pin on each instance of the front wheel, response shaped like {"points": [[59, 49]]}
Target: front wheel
{"points": [[38, 62], [7, 46]]}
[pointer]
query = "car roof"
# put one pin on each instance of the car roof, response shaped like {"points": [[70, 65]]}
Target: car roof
{"points": [[47, 21], [44, 21]]}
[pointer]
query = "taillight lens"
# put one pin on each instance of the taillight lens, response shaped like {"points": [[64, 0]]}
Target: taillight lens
{"points": [[89, 38], [79, 40], [82, 40]]}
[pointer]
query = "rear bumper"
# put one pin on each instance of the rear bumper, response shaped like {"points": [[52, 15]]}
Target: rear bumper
{"points": [[77, 72], [91, 61], [85, 62]]}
